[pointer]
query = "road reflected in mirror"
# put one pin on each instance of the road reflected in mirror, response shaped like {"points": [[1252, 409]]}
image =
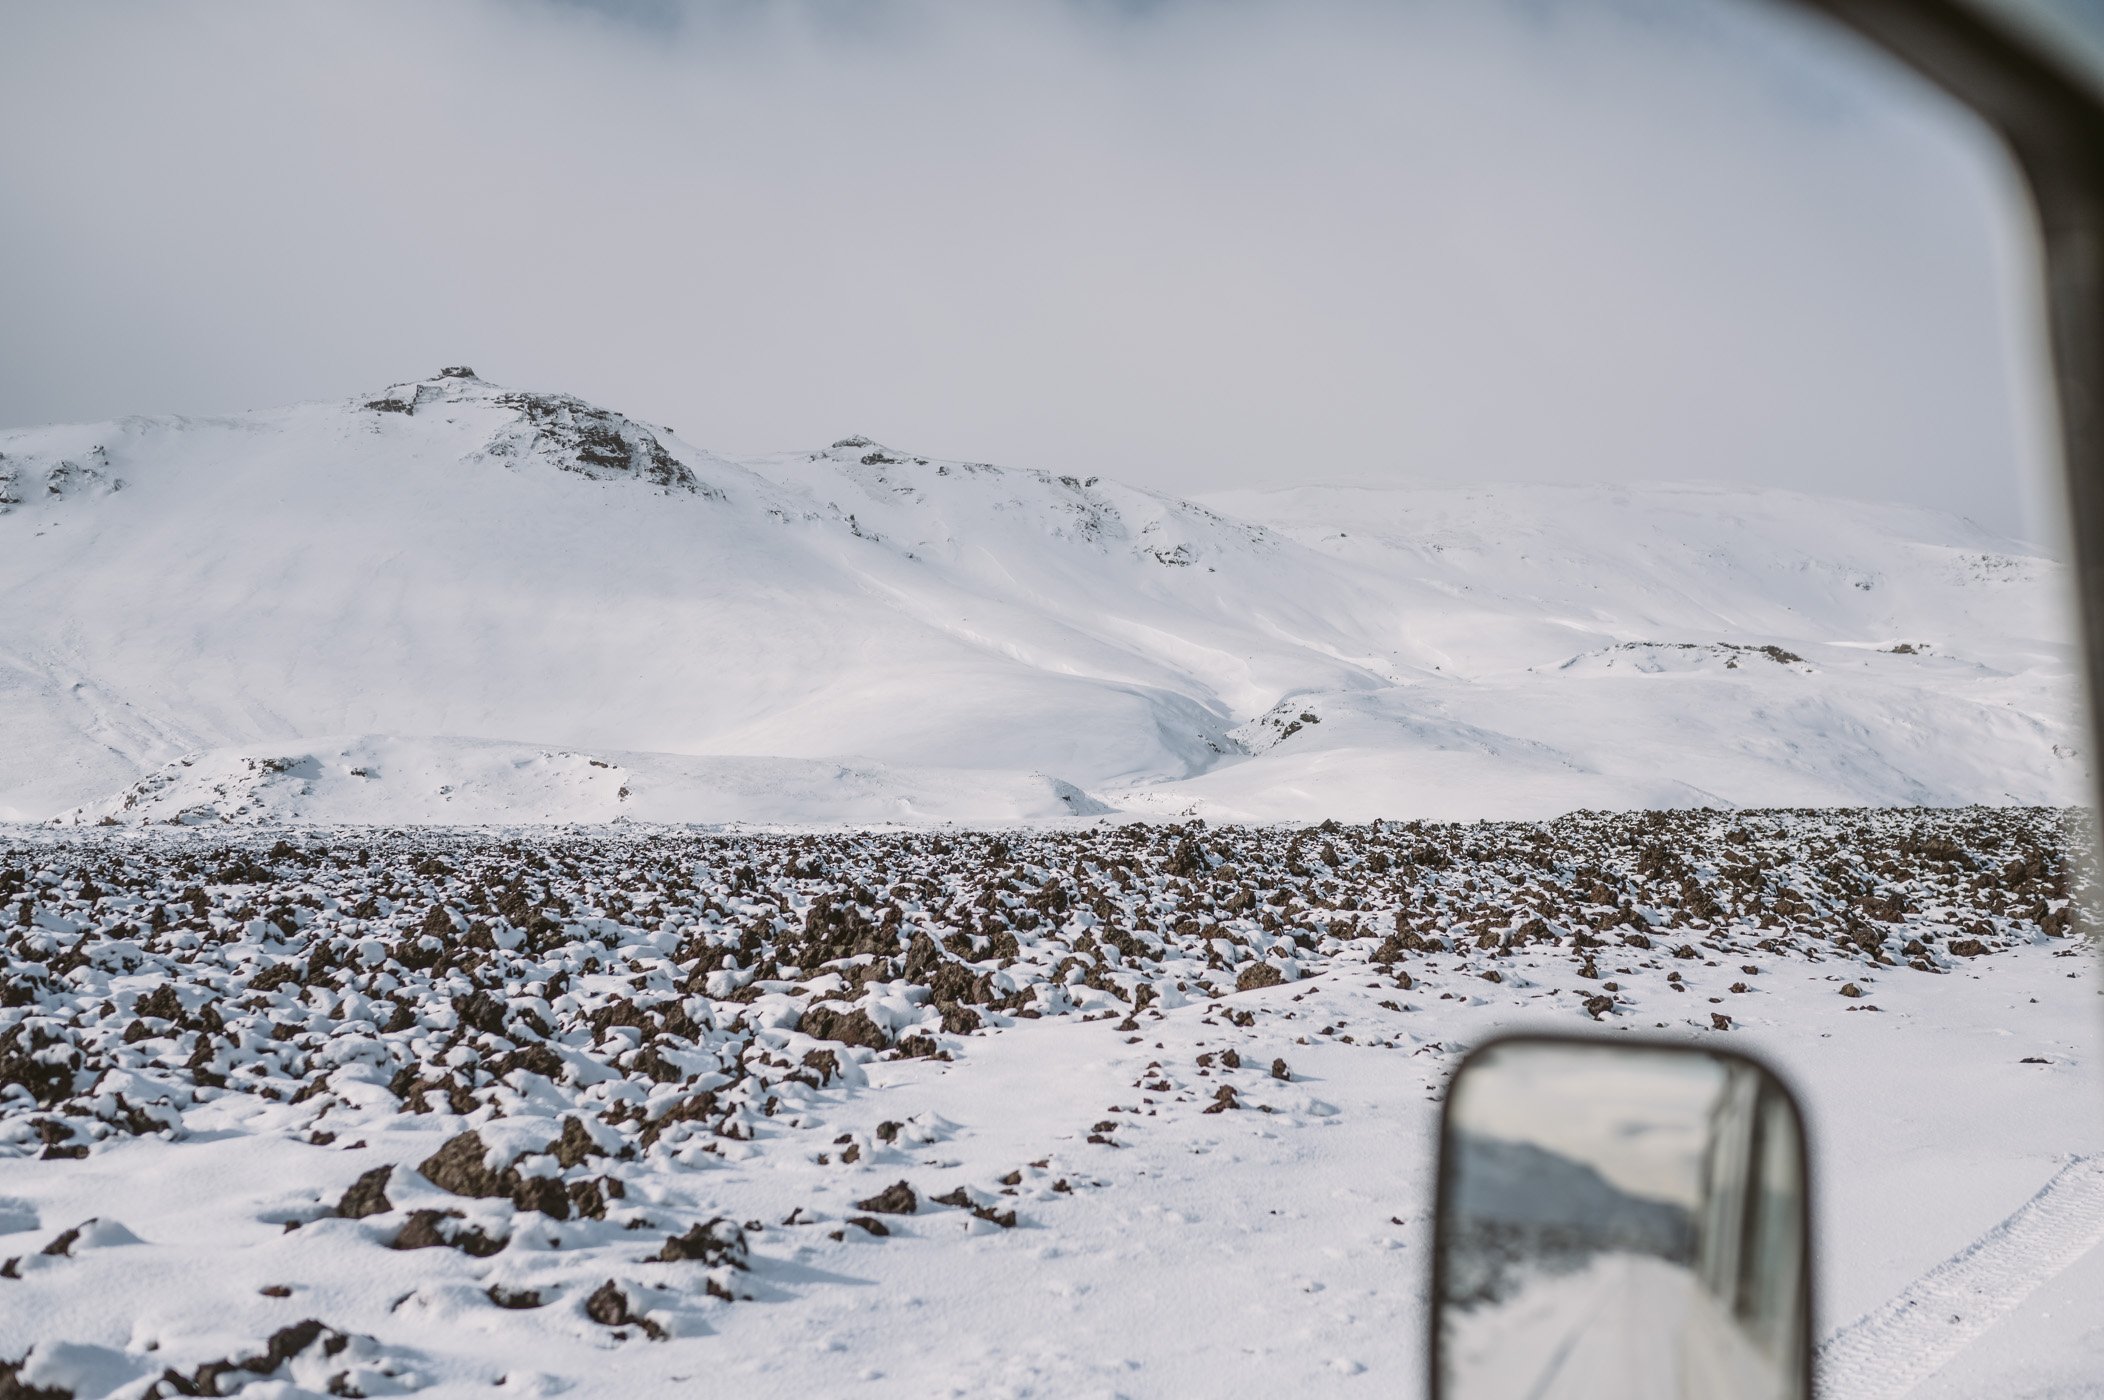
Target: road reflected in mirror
{"points": [[1622, 1221]]}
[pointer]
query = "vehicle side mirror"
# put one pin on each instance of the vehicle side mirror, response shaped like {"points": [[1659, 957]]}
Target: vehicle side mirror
{"points": [[1617, 1219]]}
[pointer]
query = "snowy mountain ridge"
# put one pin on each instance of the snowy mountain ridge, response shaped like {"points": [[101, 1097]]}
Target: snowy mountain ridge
{"points": [[476, 582]]}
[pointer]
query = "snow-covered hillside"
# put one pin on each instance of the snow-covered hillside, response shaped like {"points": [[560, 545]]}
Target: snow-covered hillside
{"points": [[532, 608]]}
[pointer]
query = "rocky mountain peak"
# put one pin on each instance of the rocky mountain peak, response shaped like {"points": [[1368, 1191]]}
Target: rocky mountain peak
{"points": [[870, 453], [560, 430]]}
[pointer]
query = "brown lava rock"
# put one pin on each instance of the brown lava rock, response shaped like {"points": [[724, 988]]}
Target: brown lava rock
{"points": [[461, 1168], [609, 1307], [428, 1229], [575, 1144], [847, 1027], [281, 1346], [542, 1193], [367, 1195], [1257, 975], [895, 1199], [717, 1241]]}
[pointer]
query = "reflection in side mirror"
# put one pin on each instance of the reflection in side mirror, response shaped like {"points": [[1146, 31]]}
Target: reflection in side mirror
{"points": [[1620, 1220]]}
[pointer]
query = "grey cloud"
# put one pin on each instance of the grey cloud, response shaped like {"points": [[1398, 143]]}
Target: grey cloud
{"points": [[1192, 245]]}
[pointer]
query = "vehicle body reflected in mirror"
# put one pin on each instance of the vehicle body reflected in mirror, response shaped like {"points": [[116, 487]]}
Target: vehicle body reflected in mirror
{"points": [[1620, 1220]]}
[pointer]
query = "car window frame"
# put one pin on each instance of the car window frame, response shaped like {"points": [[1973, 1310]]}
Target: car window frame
{"points": [[2044, 102]]}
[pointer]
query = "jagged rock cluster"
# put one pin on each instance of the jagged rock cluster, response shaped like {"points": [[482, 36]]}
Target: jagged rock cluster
{"points": [[676, 985]]}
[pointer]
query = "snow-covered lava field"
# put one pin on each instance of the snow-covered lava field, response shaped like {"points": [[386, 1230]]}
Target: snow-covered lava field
{"points": [[1110, 1109]]}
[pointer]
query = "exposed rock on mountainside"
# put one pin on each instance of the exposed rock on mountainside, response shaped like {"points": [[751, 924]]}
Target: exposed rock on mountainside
{"points": [[562, 431], [32, 478]]}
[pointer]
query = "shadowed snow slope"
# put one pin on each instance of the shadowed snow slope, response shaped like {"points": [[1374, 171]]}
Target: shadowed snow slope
{"points": [[926, 640]]}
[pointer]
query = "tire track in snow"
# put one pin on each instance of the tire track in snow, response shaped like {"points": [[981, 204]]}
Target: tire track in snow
{"points": [[1892, 1349]]}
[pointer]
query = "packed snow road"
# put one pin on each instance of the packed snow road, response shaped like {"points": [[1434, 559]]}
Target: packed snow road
{"points": [[1132, 1110], [1611, 1331]]}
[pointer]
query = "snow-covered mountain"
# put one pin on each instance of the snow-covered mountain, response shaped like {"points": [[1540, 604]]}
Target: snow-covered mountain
{"points": [[1517, 1202], [451, 601]]}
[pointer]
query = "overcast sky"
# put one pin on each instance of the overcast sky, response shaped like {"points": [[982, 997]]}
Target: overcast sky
{"points": [[1189, 244]]}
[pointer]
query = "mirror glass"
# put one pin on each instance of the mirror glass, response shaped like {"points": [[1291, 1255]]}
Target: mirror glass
{"points": [[1620, 1220]]}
